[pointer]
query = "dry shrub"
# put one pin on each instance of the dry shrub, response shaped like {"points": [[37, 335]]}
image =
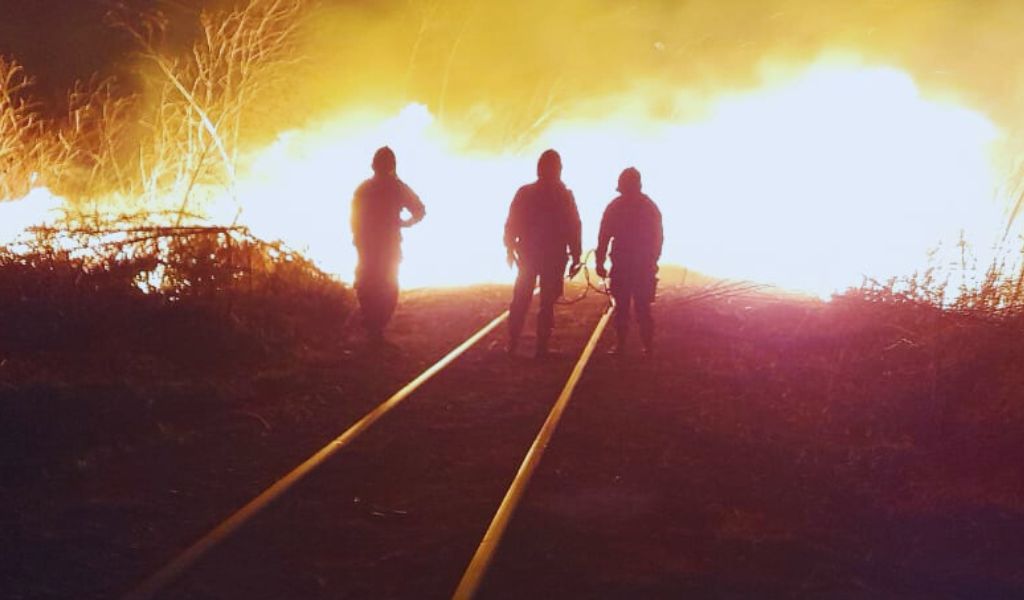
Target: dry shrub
{"points": [[201, 106], [23, 147], [97, 139], [950, 338], [161, 282], [994, 293], [184, 128], [195, 294], [998, 292]]}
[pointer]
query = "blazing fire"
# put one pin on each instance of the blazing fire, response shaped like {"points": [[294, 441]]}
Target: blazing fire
{"points": [[810, 183], [810, 178]]}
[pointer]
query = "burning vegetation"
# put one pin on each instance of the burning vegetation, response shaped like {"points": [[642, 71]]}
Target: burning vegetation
{"points": [[109, 272], [145, 173], [182, 131], [160, 358]]}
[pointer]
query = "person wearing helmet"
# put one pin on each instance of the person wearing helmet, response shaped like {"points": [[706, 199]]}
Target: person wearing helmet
{"points": [[378, 215], [632, 226], [542, 233]]}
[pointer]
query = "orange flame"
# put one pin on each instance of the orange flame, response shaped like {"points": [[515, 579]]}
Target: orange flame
{"points": [[811, 181]]}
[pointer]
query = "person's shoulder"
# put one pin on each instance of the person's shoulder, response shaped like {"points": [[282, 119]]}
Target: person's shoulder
{"points": [[614, 205], [364, 187], [528, 188], [649, 203], [405, 190], [403, 186], [526, 191], [562, 192]]}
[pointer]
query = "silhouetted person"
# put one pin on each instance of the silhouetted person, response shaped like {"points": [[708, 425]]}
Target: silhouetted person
{"points": [[541, 234], [632, 224], [377, 221]]}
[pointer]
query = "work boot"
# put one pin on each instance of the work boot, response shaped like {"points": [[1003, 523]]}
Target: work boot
{"points": [[542, 350], [619, 347], [648, 341], [375, 336]]}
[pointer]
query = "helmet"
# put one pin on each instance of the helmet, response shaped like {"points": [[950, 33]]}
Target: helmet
{"points": [[384, 162], [629, 181], [549, 166]]}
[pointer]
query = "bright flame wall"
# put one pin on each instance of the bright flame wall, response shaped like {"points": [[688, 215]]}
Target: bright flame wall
{"points": [[810, 182]]}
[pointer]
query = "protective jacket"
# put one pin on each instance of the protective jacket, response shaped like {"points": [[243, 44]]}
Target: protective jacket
{"points": [[376, 213], [543, 223], [632, 224]]}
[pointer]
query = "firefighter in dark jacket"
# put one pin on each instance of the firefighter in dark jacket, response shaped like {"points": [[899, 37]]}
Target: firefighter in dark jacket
{"points": [[377, 220], [541, 234], [632, 225]]}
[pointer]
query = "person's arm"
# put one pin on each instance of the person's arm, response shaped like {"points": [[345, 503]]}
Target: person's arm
{"points": [[575, 231], [356, 218], [604, 236], [411, 202], [513, 226], [659, 234]]}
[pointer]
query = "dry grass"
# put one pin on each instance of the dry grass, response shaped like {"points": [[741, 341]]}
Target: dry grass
{"points": [[200, 106], [99, 276], [994, 292], [156, 146], [26, 150]]}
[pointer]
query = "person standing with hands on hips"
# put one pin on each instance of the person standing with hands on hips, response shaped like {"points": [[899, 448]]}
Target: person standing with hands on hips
{"points": [[377, 222]]}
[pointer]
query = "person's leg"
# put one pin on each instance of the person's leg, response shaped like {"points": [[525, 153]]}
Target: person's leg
{"points": [[522, 294], [366, 291], [389, 291], [643, 297], [370, 294], [622, 295], [377, 289], [551, 288], [365, 297]]}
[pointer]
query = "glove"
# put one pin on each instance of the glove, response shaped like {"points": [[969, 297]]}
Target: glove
{"points": [[510, 257], [574, 268], [601, 271]]}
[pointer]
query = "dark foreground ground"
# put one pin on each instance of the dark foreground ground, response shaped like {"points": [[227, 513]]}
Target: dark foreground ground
{"points": [[771, 448]]}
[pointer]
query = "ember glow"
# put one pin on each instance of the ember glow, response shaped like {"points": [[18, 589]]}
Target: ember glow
{"points": [[810, 181]]}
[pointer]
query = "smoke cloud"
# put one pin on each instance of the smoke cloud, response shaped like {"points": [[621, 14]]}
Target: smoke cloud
{"points": [[500, 70]]}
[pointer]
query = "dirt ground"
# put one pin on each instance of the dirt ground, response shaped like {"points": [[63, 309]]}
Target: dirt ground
{"points": [[772, 447]]}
